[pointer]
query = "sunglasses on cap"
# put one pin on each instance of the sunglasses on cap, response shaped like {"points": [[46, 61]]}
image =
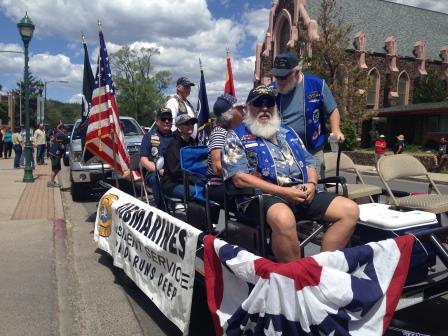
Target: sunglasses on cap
{"points": [[263, 102]]}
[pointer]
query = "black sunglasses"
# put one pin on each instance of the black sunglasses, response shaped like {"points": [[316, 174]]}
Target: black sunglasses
{"points": [[170, 120], [284, 77], [263, 102]]}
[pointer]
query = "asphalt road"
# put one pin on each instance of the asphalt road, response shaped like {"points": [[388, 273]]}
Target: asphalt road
{"points": [[137, 314]]}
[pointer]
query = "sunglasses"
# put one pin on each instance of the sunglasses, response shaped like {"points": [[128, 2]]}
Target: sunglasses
{"points": [[284, 77], [169, 120], [263, 102]]}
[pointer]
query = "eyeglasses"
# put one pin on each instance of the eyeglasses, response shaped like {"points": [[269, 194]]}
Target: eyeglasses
{"points": [[284, 77], [169, 120], [263, 102]]}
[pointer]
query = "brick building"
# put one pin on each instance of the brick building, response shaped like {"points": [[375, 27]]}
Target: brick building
{"points": [[396, 45]]}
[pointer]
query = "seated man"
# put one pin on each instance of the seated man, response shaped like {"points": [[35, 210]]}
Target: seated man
{"points": [[228, 116], [261, 153], [153, 146]]}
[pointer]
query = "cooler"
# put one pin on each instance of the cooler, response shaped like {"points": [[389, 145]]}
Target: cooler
{"points": [[380, 221]]}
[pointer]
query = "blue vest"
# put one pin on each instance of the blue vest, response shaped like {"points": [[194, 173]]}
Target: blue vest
{"points": [[315, 129], [260, 158]]}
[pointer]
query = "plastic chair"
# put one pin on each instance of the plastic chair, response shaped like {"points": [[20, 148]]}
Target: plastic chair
{"points": [[393, 167], [354, 190]]}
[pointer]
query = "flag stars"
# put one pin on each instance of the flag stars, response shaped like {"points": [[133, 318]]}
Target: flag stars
{"points": [[271, 330], [360, 272]]}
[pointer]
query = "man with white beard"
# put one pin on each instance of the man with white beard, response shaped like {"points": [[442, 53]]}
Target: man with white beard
{"points": [[262, 154], [305, 104]]}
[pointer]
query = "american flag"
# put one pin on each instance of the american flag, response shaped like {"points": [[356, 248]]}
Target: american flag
{"points": [[350, 292], [105, 136]]}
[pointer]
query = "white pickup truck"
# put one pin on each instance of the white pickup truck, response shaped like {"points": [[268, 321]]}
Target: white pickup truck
{"points": [[85, 175]]}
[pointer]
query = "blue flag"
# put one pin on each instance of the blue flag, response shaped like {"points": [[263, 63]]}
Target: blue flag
{"points": [[203, 113]]}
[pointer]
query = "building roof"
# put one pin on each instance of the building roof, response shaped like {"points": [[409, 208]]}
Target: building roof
{"points": [[379, 19], [414, 109]]}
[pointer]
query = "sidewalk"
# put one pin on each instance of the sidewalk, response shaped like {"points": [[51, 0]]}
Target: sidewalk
{"points": [[29, 215]]}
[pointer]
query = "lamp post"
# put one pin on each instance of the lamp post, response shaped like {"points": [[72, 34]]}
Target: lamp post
{"points": [[26, 29], [45, 92]]}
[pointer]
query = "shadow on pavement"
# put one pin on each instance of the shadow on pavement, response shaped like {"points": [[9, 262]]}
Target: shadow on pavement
{"points": [[200, 321]]}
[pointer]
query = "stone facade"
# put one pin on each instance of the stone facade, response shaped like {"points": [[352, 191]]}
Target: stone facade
{"points": [[391, 66]]}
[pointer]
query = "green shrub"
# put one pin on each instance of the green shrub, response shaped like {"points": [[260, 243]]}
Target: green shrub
{"points": [[348, 127]]}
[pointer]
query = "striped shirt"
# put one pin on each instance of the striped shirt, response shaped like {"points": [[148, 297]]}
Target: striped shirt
{"points": [[216, 140]]}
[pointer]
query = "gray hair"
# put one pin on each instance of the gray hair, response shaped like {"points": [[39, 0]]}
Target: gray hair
{"points": [[225, 119]]}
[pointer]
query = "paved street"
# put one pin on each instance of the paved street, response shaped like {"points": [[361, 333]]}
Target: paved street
{"points": [[55, 281]]}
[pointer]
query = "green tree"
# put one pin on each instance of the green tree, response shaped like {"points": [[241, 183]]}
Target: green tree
{"points": [[429, 89], [3, 110], [58, 111], [139, 90], [36, 87], [331, 60]]}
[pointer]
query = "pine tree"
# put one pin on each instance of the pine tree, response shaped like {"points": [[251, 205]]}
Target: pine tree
{"points": [[430, 89]]}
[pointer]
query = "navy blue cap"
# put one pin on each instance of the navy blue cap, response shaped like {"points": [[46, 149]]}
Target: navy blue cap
{"points": [[223, 103], [284, 64]]}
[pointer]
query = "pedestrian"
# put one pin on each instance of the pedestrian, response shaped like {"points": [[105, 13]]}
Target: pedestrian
{"points": [[40, 140], [2, 132], [380, 147], [442, 155], [179, 104], [305, 104], [399, 146], [56, 151], [17, 145], [7, 143]]}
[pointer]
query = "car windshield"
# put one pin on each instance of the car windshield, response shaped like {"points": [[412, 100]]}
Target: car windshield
{"points": [[130, 128]]}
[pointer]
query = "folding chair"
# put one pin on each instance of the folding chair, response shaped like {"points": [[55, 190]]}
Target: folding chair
{"points": [[169, 204], [356, 190], [135, 175], [262, 231], [193, 162], [393, 167]]}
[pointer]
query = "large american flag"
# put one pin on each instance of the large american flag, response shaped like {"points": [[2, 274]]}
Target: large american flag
{"points": [[349, 292], [105, 136]]}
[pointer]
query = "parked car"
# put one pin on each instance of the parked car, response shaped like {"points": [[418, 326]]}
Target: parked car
{"points": [[68, 132], [85, 174]]}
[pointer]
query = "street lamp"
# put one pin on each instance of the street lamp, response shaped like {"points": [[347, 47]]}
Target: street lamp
{"points": [[26, 29], [45, 92]]}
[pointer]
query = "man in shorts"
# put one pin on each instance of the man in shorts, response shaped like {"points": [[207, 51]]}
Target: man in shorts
{"points": [[262, 154], [57, 149]]}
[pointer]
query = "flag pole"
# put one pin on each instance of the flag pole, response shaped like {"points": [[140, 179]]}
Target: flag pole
{"points": [[114, 153]]}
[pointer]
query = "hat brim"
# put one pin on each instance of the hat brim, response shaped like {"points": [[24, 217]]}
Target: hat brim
{"points": [[195, 120], [262, 96], [186, 84], [280, 72]]}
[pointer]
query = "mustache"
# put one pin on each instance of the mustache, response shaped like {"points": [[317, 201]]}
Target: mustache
{"points": [[264, 114]]}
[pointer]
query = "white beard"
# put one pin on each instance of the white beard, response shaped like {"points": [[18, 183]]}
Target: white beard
{"points": [[288, 86], [264, 130]]}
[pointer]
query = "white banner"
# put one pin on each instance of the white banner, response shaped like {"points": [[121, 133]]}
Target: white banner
{"points": [[156, 250]]}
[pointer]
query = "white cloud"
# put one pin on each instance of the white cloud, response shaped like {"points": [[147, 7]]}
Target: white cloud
{"points": [[76, 98], [183, 30]]}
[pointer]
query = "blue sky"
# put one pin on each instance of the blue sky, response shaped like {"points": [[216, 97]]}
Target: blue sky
{"points": [[183, 30]]}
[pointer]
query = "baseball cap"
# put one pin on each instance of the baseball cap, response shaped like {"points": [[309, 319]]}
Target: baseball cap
{"points": [[163, 110], [184, 81], [184, 118], [261, 95], [284, 64], [223, 103]]}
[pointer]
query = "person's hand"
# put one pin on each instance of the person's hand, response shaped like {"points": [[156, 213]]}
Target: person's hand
{"points": [[294, 195], [161, 171], [310, 192], [339, 135]]}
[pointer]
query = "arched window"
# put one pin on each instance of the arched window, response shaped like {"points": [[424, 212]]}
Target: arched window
{"points": [[285, 36], [341, 78], [373, 91], [403, 88]]}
